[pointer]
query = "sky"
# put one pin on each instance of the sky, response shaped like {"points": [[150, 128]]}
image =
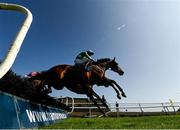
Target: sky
{"points": [[143, 35]]}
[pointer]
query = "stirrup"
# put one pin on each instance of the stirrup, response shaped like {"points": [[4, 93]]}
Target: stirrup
{"points": [[88, 68]]}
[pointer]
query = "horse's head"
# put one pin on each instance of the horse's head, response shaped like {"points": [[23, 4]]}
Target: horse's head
{"points": [[113, 65], [110, 63]]}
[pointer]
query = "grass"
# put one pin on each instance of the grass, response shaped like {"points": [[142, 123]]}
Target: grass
{"points": [[145, 122]]}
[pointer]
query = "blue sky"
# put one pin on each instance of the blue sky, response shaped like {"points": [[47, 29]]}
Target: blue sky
{"points": [[143, 36]]}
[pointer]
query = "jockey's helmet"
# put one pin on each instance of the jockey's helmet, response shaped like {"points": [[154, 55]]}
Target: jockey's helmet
{"points": [[90, 52]]}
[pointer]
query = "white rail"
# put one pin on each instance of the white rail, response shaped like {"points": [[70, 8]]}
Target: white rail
{"points": [[15, 47], [72, 108], [133, 107], [145, 107]]}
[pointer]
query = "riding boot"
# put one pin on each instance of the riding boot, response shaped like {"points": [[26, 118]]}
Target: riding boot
{"points": [[87, 67]]}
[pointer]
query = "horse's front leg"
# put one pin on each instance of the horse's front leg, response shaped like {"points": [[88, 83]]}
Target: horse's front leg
{"points": [[122, 92], [110, 82], [107, 83]]}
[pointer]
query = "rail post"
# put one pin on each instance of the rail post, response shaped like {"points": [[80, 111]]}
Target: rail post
{"points": [[117, 109], [164, 108], [172, 105], [15, 46], [140, 108]]}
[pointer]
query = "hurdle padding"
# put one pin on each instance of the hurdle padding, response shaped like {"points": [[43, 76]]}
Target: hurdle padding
{"points": [[18, 113]]}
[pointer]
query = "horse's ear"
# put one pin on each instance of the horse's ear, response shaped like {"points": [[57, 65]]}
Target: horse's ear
{"points": [[114, 59]]}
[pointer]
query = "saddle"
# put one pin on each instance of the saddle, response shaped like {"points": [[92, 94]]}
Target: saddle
{"points": [[86, 66]]}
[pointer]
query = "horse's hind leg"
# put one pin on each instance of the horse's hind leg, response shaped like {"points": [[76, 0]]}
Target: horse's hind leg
{"points": [[47, 86], [38, 84], [90, 95], [97, 96]]}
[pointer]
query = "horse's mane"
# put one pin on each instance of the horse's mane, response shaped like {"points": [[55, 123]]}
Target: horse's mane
{"points": [[103, 60]]}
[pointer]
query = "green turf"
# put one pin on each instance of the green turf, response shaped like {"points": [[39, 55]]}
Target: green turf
{"points": [[146, 122]]}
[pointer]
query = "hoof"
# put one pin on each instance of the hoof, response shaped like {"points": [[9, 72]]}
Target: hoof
{"points": [[124, 95], [103, 115], [106, 86], [118, 97], [47, 91]]}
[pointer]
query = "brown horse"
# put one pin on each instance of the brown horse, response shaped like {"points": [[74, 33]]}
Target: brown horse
{"points": [[78, 80]]}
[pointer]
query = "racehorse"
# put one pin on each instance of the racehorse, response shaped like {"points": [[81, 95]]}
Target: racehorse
{"points": [[80, 81]]}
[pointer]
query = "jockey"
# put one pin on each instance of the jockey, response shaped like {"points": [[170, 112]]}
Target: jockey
{"points": [[46, 87], [31, 74], [84, 59]]}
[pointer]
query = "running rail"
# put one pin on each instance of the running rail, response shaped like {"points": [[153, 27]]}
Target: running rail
{"points": [[15, 46], [72, 109]]}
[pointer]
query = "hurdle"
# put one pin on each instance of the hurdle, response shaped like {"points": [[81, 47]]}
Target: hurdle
{"points": [[15, 46], [16, 112]]}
